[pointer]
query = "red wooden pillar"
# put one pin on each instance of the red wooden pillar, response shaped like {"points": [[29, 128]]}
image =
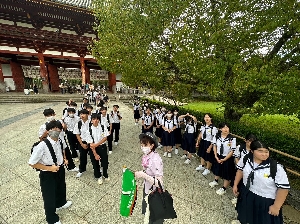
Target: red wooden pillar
{"points": [[53, 77], [83, 73], [1, 74], [18, 76], [87, 75], [112, 82], [43, 72]]}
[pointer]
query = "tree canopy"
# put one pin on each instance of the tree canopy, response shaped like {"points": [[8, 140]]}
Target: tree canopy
{"points": [[246, 53]]}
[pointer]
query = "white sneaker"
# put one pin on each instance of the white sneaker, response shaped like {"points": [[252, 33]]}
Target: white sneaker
{"points": [[165, 154], [200, 167], [159, 146], [106, 179], [110, 152], [116, 143], [221, 191], [76, 159], [213, 184], [58, 222], [79, 175], [100, 181], [169, 155], [67, 205], [187, 161], [176, 151], [205, 172], [234, 201], [76, 169], [183, 157]]}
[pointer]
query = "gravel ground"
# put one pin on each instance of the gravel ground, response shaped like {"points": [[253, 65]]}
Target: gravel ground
{"points": [[194, 201]]}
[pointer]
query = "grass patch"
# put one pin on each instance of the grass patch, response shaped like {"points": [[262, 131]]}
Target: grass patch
{"points": [[214, 108], [278, 123]]}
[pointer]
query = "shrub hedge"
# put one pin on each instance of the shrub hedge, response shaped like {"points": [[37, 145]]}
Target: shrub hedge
{"points": [[282, 141]]}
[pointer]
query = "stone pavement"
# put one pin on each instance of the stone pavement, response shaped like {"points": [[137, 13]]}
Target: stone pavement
{"points": [[20, 197]]}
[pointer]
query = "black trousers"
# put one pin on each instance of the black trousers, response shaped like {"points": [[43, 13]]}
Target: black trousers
{"points": [[73, 142], [71, 164], [109, 142], [53, 188], [102, 152], [115, 127], [83, 157]]}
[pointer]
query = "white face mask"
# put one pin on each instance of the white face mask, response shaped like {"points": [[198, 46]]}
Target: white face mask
{"points": [[145, 150], [71, 115], [169, 115], [175, 113], [51, 118]]}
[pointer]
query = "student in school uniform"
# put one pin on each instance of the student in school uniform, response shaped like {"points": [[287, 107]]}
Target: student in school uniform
{"points": [[147, 121], [152, 168], [52, 173], [136, 112], [265, 187], [89, 108], [168, 140], [81, 130], [205, 141], [241, 151], [177, 131], [106, 121], [98, 151], [224, 146], [84, 102], [70, 122], [115, 117], [71, 105], [189, 143], [43, 133], [159, 122]]}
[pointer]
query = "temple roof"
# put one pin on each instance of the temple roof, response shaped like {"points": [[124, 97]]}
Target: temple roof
{"points": [[75, 3]]}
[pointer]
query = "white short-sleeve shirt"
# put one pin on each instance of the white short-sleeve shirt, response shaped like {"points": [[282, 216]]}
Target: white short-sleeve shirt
{"points": [[263, 185], [229, 144], [148, 118], [210, 131]]}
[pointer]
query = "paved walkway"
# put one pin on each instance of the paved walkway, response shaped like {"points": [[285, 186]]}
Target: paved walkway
{"points": [[21, 202]]}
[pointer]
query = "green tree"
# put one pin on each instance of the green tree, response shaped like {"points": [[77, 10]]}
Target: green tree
{"points": [[244, 52]]}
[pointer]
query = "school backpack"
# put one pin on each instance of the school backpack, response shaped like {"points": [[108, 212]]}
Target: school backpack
{"points": [[273, 165], [50, 149]]}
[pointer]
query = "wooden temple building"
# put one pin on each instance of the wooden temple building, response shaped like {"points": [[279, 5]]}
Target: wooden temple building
{"points": [[47, 39]]}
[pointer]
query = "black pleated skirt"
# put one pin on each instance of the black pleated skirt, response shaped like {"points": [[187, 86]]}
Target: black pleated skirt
{"points": [[136, 114], [189, 142], [226, 170], [254, 209], [167, 138], [210, 157], [178, 136]]}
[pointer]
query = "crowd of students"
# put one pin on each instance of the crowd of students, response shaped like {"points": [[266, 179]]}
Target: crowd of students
{"points": [[87, 133], [259, 183], [260, 186]]}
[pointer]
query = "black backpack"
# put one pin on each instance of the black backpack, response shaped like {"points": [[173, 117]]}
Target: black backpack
{"points": [[48, 143], [273, 165], [90, 130]]}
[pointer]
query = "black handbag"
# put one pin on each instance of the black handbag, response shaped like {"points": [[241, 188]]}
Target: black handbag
{"points": [[160, 204]]}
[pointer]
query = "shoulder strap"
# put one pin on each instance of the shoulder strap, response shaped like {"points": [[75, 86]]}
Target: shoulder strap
{"points": [[273, 168], [91, 133], [107, 117], [246, 157], [79, 124], [49, 145]]}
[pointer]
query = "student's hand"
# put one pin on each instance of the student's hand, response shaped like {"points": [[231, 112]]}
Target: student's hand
{"points": [[66, 162], [273, 210], [139, 174], [84, 146], [93, 145], [235, 190], [54, 168], [208, 150], [97, 157]]}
